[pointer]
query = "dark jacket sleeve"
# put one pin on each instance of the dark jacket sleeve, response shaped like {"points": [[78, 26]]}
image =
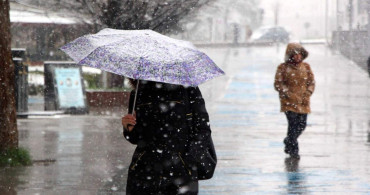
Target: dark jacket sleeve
{"points": [[201, 126], [133, 136]]}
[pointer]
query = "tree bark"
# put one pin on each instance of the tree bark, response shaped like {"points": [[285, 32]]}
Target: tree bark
{"points": [[8, 117]]}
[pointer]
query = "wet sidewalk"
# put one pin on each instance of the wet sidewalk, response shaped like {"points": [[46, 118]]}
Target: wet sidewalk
{"points": [[249, 129], [88, 155]]}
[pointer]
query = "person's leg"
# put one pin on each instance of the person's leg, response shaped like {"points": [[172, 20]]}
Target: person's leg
{"points": [[288, 141], [301, 126], [296, 125], [301, 122]]}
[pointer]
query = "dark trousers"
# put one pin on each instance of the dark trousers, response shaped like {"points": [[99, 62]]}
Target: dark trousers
{"points": [[296, 125]]}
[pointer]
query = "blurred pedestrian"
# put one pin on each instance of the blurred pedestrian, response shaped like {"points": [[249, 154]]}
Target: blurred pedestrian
{"points": [[295, 83], [248, 32], [368, 65], [159, 126]]}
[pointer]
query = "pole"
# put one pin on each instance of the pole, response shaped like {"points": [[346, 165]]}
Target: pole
{"points": [[350, 10], [350, 13], [277, 13], [368, 21], [225, 23], [368, 40], [338, 33], [104, 79], [210, 22], [326, 20], [276, 24], [338, 14]]}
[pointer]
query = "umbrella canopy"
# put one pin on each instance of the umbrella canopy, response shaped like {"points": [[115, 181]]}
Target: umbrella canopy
{"points": [[143, 55]]}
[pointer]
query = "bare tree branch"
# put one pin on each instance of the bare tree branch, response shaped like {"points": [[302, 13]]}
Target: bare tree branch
{"points": [[160, 15]]}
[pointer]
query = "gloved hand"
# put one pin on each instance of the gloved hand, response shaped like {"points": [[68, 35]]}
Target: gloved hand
{"points": [[294, 98], [306, 97]]}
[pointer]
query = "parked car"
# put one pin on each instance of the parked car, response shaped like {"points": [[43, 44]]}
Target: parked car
{"points": [[270, 34]]}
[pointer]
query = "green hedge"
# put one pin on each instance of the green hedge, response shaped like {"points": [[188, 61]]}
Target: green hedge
{"points": [[15, 157]]}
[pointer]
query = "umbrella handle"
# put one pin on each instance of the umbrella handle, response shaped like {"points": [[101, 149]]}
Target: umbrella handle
{"points": [[136, 89], [133, 107]]}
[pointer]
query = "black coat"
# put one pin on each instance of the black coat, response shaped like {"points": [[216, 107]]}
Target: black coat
{"points": [[161, 162]]}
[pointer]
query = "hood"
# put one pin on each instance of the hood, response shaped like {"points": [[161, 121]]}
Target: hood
{"points": [[295, 48]]}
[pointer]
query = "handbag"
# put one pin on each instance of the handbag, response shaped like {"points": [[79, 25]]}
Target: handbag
{"points": [[205, 158], [202, 153]]}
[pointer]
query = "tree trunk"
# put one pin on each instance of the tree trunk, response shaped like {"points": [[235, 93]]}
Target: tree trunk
{"points": [[8, 117]]}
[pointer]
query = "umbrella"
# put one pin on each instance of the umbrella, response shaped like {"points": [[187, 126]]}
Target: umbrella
{"points": [[143, 55]]}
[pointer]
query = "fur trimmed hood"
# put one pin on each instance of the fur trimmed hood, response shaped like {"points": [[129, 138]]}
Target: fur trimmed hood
{"points": [[295, 48]]}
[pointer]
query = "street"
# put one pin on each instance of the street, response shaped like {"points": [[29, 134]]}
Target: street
{"points": [[88, 155]]}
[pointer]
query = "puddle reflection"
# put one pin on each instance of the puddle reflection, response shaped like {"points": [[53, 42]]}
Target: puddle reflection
{"points": [[295, 179]]}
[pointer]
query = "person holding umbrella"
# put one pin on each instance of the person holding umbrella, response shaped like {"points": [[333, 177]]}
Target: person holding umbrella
{"points": [[167, 117], [160, 129], [295, 83]]}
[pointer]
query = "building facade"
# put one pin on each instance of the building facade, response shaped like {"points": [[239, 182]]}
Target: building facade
{"points": [[42, 33], [352, 14]]}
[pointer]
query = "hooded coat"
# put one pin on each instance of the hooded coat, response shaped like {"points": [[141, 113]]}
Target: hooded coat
{"points": [[161, 159], [295, 81]]}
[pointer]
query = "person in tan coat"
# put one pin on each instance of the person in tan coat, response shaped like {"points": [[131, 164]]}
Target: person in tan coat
{"points": [[295, 83]]}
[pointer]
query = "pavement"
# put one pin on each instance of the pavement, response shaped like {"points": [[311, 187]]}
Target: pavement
{"points": [[86, 154]]}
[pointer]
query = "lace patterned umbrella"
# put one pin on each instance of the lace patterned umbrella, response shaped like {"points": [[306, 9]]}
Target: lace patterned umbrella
{"points": [[143, 55]]}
